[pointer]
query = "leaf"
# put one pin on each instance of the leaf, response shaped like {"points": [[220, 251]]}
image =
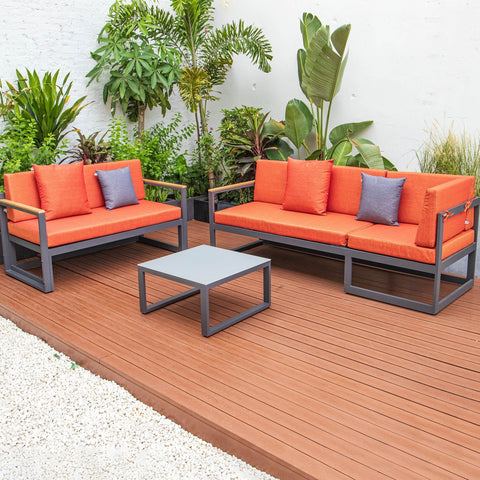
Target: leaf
{"points": [[298, 122], [340, 38], [371, 155], [345, 130], [340, 151], [309, 25]]}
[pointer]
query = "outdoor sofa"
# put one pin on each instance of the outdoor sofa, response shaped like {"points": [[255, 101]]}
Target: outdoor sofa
{"points": [[56, 210], [406, 221]]}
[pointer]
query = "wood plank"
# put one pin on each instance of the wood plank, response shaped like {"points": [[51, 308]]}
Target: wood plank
{"points": [[321, 385]]}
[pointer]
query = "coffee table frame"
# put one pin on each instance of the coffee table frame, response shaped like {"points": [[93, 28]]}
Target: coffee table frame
{"points": [[239, 264]]}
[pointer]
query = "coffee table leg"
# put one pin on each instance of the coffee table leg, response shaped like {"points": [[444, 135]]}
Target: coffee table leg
{"points": [[267, 284], [142, 295], [205, 311]]}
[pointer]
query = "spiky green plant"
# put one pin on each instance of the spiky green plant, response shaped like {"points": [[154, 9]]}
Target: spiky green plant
{"points": [[45, 101], [446, 151]]}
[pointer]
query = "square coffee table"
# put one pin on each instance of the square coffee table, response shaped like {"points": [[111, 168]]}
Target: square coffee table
{"points": [[205, 267]]}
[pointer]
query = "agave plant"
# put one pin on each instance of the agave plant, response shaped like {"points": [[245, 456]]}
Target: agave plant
{"points": [[321, 65], [45, 102]]}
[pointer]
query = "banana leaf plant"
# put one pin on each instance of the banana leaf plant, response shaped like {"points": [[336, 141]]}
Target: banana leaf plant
{"points": [[321, 65]]}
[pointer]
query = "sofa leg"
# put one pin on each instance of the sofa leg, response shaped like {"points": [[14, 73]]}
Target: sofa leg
{"points": [[213, 236], [182, 237]]}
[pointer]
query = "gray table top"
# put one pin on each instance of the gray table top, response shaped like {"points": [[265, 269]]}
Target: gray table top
{"points": [[204, 265]]}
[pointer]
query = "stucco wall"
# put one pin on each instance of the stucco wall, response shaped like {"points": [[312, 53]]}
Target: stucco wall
{"points": [[410, 63]]}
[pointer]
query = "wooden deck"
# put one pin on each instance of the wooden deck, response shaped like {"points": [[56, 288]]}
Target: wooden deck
{"points": [[322, 385]]}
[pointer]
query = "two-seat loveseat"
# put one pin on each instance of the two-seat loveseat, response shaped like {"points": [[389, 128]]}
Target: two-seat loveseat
{"points": [[55, 210], [408, 221]]}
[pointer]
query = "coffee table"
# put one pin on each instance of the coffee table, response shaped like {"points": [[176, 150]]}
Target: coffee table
{"points": [[205, 267]]}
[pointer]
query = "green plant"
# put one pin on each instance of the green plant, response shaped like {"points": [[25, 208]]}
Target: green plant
{"points": [[321, 65], [88, 150], [246, 135], [42, 101], [18, 148], [160, 149], [142, 69], [207, 56], [451, 153]]}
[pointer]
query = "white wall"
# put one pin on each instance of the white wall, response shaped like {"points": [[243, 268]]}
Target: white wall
{"points": [[410, 62]]}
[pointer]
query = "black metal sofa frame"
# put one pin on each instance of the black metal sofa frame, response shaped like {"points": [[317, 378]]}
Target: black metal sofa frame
{"points": [[352, 256], [45, 255]]}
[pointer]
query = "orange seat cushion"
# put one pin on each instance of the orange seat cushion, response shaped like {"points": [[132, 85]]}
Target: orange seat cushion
{"points": [[346, 188], [61, 189], [400, 242], [308, 183], [21, 187], [331, 228], [99, 223], [270, 181]]}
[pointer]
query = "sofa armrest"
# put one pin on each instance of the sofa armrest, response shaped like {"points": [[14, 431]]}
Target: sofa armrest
{"points": [[229, 188], [157, 183], [441, 198], [172, 186], [21, 206], [212, 192]]}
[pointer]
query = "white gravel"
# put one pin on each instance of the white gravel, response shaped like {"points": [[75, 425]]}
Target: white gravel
{"points": [[59, 421]]}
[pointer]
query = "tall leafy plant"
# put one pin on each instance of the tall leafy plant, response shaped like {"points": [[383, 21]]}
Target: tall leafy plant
{"points": [[44, 101], [321, 66], [141, 68], [207, 56]]}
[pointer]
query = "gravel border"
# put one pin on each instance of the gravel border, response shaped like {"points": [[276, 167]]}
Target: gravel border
{"points": [[59, 421]]}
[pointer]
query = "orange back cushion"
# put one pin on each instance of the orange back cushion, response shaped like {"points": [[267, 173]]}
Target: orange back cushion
{"points": [[21, 187], [270, 181], [346, 188], [308, 183], [62, 190], [94, 192], [439, 199], [413, 193]]}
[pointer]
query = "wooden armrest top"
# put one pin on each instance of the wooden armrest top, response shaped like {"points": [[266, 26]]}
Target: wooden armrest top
{"points": [[250, 183], [22, 206], [163, 184]]}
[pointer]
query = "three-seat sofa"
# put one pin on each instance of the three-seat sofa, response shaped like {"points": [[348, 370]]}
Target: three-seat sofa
{"points": [[408, 221]]}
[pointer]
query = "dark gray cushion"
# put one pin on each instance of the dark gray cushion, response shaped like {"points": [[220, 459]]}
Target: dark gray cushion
{"points": [[380, 199], [117, 187]]}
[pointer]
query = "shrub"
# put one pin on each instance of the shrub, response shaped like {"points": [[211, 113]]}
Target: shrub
{"points": [[452, 153]]}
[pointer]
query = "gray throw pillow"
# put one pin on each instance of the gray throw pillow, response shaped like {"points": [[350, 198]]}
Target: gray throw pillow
{"points": [[117, 187], [380, 199]]}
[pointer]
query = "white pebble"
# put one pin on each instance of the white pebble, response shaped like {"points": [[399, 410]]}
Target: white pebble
{"points": [[59, 422]]}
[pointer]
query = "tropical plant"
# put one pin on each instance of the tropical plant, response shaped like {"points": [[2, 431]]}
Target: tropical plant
{"points": [[42, 101], [446, 151], [18, 147], [142, 69], [321, 65], [245, 136], [207, 56], [160, 149], [88, 149]]}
